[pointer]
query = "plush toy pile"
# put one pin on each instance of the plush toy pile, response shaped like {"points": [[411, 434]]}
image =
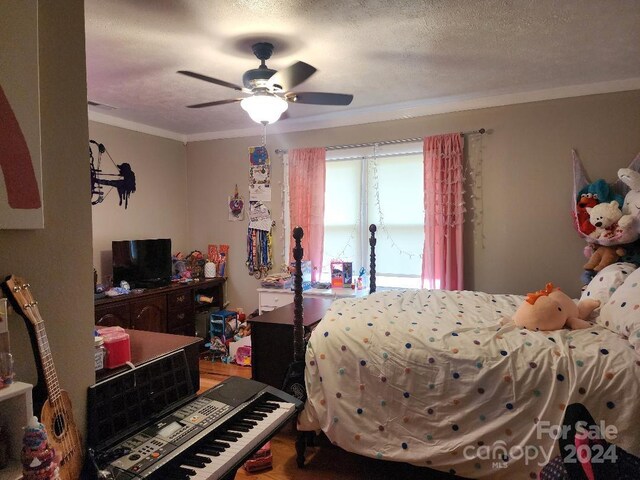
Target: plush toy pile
{"points": [[606, 219], [39, 461]]}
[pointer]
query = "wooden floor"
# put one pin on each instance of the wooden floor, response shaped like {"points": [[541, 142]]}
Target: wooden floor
{"points": [[325, 462]]}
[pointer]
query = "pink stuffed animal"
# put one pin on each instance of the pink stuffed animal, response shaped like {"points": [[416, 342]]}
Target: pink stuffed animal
{"points": [[551, 309]]}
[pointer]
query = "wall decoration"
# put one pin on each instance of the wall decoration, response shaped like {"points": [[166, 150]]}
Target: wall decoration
{"points": [[236, 207], [260, 183], [259, 252], [124, 181], [258, 155], [20, 155], [259, 216]]}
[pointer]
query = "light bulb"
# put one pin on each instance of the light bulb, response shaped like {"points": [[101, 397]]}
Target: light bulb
{"points": [[264, 108]]}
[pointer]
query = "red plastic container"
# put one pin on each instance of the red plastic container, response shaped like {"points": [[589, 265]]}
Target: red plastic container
{"points": [[118, 346]]}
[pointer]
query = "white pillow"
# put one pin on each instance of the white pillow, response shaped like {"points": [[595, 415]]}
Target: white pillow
{"points": [[621, 314], [605, 283]]}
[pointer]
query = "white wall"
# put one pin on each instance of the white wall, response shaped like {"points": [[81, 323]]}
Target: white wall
{"points": [[157, 209]]}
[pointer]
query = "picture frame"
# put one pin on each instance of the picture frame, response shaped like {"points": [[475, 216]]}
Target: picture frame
{"points": [[21, 199]]}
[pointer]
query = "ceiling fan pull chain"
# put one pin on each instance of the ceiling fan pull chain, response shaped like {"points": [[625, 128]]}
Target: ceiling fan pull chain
{"points": [[264, 135]]}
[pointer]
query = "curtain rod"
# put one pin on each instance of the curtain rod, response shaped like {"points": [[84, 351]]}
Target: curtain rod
{"points": [[480, 131]]}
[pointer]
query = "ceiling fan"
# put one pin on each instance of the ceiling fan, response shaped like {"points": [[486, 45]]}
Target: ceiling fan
{"points": [[270, 90]]}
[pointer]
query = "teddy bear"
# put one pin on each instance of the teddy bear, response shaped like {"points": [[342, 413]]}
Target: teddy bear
{"points": [[603, 256], [631, 205], [552, 309], [606, 217], [590, 196]]}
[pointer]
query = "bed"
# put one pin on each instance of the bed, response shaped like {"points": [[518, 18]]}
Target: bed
{"points": [[445, 380]]}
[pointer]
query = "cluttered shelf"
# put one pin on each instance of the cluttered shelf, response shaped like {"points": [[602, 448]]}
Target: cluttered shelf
{"points": [[276, 290], [170, 309]]}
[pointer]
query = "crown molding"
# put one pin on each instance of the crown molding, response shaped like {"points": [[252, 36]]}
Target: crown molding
{"points": [[135, 126], [388, 112]]}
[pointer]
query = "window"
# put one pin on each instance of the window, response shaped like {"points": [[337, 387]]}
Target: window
{"points": [[384, 187]]}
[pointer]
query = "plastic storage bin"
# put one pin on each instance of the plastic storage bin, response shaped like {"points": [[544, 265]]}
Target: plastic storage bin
{"points": [[117, 345]]}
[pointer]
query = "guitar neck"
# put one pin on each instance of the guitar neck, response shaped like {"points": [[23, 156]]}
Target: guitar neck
{"points": [[46, 360]]}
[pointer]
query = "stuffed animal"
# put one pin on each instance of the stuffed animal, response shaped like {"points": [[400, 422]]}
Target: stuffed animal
{"points": [[606, 217], [631, 178], [552, 309], [586, 200], [603, 257], [590, 196]]}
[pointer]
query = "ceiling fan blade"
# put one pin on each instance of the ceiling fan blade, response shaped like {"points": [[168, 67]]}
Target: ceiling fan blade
{"points": [[319, 98], [222, 83], [217, 102], [293, 75]]}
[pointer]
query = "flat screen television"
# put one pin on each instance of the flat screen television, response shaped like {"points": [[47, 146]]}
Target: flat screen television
{"points": [[142, 263]]}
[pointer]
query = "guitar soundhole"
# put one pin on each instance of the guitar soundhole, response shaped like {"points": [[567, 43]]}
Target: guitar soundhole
{"points": [[58, 426]]}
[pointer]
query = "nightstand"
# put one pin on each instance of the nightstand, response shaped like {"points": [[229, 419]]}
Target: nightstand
{"points": [[272, 339]]}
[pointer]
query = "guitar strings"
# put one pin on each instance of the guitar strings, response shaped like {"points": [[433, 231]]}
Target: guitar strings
{"points": [[56, 402]]}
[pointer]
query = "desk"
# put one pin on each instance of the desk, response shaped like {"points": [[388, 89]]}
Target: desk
{"points": [[272, 339], [272, 298], [147, 346]]}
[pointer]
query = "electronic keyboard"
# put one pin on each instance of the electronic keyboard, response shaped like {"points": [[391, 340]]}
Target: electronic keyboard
{"points": [[207, 438]]}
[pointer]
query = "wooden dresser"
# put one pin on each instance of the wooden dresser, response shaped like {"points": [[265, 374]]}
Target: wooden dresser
{"points": [[272, 339], [170, 309]]}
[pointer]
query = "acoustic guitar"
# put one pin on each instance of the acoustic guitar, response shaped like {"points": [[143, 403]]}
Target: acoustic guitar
{"points": [[57, 412]]}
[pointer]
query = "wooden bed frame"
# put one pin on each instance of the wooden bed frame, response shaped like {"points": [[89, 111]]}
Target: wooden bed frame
{"points": [[307, 438]]}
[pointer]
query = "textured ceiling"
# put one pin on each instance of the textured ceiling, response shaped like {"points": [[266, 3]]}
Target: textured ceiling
{"points": [[387, 53]]}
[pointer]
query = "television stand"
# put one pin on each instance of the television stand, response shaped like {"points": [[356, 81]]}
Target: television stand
{"points": [[170, 309]]}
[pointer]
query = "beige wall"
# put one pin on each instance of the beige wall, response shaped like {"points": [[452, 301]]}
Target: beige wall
{"points": [[57, 259], [157, 209], [527, 185]]}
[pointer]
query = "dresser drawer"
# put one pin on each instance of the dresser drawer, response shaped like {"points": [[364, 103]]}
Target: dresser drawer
{"points": [[180, 300], [272, 300]]}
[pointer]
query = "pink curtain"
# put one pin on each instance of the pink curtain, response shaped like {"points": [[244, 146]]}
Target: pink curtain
{"points": [[307, 168], [442, 265]]}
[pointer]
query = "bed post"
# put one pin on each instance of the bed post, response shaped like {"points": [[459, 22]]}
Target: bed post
{"points": [[298, 312], [294, 380], [372, 261]]}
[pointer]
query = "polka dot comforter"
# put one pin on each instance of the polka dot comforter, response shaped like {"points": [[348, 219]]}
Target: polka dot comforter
{"points": [[444, 379]]}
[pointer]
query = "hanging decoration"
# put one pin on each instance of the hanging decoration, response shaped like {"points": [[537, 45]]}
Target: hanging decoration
{"points": [[258, 155], [124, 181], [260, 183], [473, 181], [259, 252], [381, 224], [236, 206], [259, 216], [259, 232]]}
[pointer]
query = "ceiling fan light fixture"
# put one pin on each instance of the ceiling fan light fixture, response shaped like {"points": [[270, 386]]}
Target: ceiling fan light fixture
{"points": [[264, 108]]}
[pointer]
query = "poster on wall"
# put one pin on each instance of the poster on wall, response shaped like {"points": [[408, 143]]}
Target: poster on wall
{"points": [[20, 155], [258, 155], [259, 216], [260, 183]]}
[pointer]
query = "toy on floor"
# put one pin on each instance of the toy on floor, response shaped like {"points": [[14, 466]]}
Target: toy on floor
{"points": [[552, 309], [261, 460], [218, 348]]}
